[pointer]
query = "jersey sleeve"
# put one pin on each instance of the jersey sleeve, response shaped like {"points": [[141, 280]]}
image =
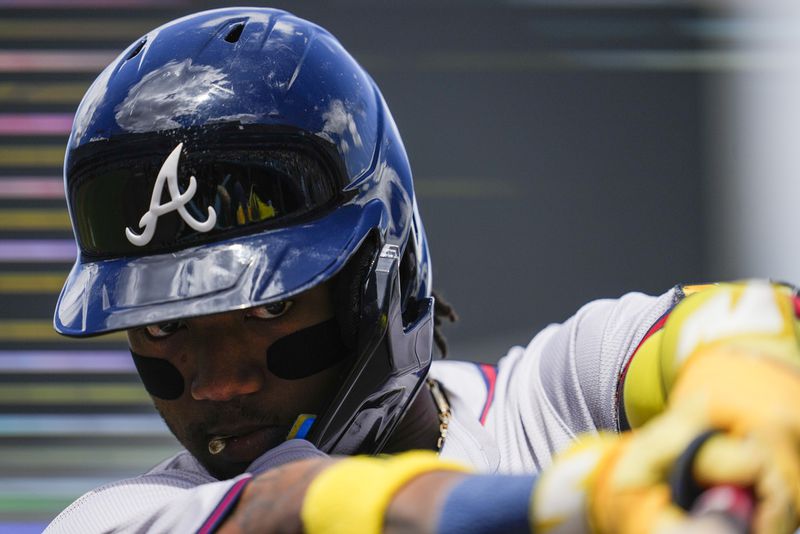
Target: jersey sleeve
{"points": [[151, 503], [566, 381], [177, 495]]}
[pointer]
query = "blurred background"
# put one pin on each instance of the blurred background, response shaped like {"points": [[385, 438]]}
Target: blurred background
{"points": [[563, 151]]}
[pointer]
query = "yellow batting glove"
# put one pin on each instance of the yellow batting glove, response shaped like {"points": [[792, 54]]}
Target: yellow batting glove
{"points": [[758, 317], [726, 360], [616, 483], [620, 483], [735, 347], [732, 351]]}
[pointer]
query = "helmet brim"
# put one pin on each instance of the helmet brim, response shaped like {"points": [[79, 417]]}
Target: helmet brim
{"points": [[109, 295]]}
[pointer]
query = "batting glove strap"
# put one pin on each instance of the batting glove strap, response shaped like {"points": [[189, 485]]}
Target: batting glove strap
{"points": [[488, 504]]}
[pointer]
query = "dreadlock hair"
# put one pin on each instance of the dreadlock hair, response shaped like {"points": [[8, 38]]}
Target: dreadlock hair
{"points": [[442, 310]]}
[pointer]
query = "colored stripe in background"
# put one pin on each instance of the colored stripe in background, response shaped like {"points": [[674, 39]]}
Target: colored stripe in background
{"points": [[65, 30], [36, 187], [104, 428], [14, 283], [56, 61], [72, 394], [22, 528], [32, 156], [72, 4], [37, 250], [54, 493], [42, 93], [41, 331], [35, 123], [34, 219], [66, 361], [86, 457], [135, 425]]}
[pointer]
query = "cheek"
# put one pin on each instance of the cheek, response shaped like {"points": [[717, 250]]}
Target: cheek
{"points": [[310, 395], [178, 419]]}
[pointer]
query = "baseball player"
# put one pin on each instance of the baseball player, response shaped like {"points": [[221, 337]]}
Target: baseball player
{"points": [[244, 209]]}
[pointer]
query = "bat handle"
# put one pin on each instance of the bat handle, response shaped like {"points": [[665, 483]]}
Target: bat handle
{"points": [[733, 504]]}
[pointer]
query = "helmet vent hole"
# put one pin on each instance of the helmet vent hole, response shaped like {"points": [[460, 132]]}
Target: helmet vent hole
{"points": [[235, 33], [136, 50]]}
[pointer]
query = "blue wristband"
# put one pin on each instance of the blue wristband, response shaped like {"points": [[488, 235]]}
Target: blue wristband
{"points": [[488, 504]]}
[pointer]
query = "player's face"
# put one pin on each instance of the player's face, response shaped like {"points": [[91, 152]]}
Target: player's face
{"points": [[229, 390]]}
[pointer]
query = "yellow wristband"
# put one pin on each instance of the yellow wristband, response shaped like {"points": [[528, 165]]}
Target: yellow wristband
{"points": [[351, 497]]}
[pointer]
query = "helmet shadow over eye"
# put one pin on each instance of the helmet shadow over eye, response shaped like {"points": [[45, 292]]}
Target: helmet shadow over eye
{"points": [[163, 330], [272, 310]]}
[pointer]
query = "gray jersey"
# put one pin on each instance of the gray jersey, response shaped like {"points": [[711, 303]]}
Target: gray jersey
{"points": [[510, 418], [542, 396]]}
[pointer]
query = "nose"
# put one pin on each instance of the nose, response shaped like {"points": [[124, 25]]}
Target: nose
{"points": [[225, 382], [226, 366]]}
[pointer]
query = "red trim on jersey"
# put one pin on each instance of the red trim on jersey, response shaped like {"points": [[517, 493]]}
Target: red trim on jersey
{"points": [[489, 373], [653, 329], [796, 301], [623, 421], [224, 507]]}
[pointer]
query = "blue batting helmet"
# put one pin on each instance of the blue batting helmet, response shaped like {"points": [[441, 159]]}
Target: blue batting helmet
{"points": [[238, 157]]}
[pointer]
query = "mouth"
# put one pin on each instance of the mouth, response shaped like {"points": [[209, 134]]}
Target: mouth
{"points": [[246, 444]]}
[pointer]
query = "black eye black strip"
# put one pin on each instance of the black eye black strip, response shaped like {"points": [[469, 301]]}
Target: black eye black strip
{"points": [[307, 351], [160, 378], [298, 355]]}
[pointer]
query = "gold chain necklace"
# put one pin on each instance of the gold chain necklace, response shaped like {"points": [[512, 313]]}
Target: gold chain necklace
{"points": [[444, 411]]}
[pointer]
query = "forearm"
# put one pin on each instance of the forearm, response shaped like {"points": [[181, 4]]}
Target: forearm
{"points": [[416, 507], [439, 497]]}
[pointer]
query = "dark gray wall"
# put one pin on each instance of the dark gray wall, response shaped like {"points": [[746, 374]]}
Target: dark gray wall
{"points": [[557, 152]]}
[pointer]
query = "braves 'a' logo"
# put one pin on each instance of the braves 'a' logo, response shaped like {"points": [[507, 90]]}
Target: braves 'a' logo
{"points": [[178, 200]]}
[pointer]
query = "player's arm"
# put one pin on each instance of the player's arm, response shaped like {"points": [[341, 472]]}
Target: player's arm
{"points": [[604, 484], [581, 493], [730, 364]]}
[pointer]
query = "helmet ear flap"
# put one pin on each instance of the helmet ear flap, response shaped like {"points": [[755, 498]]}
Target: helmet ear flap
{"points": [[348, 291]]}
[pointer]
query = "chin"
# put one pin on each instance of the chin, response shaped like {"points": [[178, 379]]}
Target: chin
{"points": [[235, 458], [226, 471]]}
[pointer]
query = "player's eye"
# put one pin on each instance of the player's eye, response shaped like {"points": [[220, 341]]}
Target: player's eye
{"points": [[162, 330], [271, 310]]}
